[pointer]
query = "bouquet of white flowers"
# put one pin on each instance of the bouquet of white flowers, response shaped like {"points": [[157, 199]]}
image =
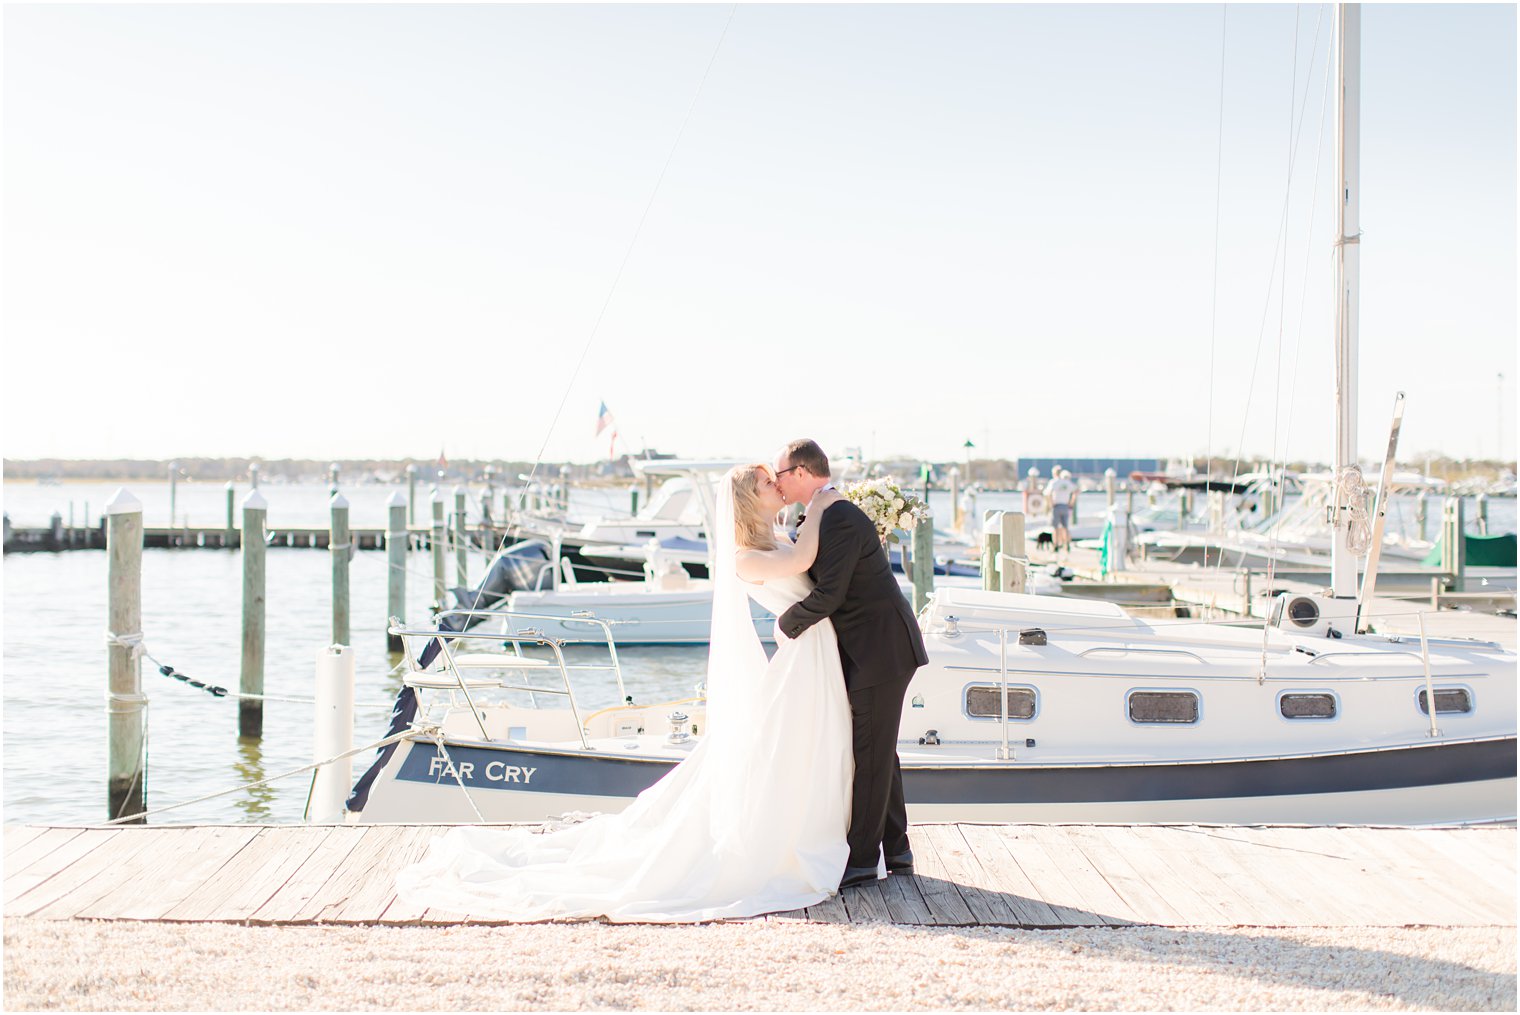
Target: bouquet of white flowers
{"points": [[887, 505]]}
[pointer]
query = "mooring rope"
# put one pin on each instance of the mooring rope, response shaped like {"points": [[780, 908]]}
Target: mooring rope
{"points": [[262, 782], [139, 649]]}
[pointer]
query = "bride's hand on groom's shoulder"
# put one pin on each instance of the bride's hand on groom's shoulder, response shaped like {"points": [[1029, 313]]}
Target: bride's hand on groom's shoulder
{"points": [[822, 499]]}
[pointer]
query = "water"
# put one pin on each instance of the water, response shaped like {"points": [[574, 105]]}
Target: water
{"points": [[55, 655], [55, 661]]}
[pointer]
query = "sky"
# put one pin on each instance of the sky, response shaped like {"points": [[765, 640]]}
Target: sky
{"points": [[385, 231]]}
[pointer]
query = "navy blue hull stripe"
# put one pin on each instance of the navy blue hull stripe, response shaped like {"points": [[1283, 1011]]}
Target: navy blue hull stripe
{"points": [[1430, 765]]}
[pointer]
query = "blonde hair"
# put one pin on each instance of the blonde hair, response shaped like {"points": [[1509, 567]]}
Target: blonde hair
{"points": [[753, 528]]}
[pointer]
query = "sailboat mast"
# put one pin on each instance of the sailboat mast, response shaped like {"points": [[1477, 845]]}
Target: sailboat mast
{"points": [[1343, 578]]}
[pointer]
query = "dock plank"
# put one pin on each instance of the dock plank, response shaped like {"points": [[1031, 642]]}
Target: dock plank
{"points": [[1422, 872], [314, 872], [252, 876], [1143, 899], [989, 844], [22, 882], [1194, 899], [1046, 873], [117, 859], [904, 901], [190, 855], [968, 875], [410, 848], [363, 883], [830, 910], [1190, 860], [1494, 844], [17, 836], [1097, 895], [1267, 878], [940, 894], [867, 903], [962, 868], [36, 847], [376, 889], [1322, 900], [1401, 884]]}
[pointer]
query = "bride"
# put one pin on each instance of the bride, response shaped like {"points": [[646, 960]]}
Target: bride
{"points": [[753, 821]]}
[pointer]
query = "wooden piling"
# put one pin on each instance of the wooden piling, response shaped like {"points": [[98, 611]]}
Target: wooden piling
{"points": [[461, 540], [173, 491], [438, 583], [923, 562], [1482, 503], [955, 498], [1453, 543], [992, 543], [395, 554], [1013, 560], [253, 475], [1109, 478], [633, 500], [125, 789], [251, 676], [411, 494], [332, 479], [339, 544], [229, 535], [1420, 511]]}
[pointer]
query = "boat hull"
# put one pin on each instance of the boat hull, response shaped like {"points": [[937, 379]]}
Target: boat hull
{"points": [[1439, 783]]}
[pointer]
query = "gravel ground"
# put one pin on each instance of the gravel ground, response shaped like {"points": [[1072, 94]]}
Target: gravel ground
{"points": [[94, 966]]}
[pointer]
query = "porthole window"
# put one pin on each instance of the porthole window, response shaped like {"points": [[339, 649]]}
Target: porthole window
{"points": [[1307, 706], [982, 702], [1163, 706], [1448, 699]]}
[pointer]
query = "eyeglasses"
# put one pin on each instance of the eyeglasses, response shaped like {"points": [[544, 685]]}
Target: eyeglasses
{"points": [[785, 471]]}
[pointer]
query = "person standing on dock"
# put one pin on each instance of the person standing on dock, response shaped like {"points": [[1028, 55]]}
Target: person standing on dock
{"points": [[1061, 492]]}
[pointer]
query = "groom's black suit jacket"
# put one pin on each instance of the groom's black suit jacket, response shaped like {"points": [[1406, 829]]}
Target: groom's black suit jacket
{"points": [[853, 585]]}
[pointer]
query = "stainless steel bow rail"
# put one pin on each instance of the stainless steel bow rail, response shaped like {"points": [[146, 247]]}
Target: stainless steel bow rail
{"points": [[450, 676]]}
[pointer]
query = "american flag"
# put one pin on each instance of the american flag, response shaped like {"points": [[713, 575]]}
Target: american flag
{"points": [[604, 421]]}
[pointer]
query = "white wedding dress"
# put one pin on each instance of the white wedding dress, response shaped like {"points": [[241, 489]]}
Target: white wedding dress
{"points": [[753, 821]]}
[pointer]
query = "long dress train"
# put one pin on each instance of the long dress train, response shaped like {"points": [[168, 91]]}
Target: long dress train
{"points": [[753, 821]]}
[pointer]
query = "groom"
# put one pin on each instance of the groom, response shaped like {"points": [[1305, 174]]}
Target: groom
{"points": [[879, 646]]}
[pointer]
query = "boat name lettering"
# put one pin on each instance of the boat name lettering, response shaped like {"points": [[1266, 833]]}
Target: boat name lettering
{"points": [[496, 771]]}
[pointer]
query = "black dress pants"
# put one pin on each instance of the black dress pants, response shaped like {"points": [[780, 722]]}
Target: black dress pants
{"points": [[878, 813]]}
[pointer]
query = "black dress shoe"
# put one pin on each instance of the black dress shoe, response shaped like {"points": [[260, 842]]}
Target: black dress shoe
{"points": [[902, 863], [854, 876]]}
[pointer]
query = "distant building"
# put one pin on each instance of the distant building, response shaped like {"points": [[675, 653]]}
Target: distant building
{"points": [[1094, 467]]}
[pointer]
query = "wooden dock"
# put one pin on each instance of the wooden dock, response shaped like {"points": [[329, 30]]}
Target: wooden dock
{"points": [[1037, 876]]}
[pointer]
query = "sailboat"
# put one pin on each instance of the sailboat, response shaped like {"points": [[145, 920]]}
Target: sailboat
{"points": [[1041, 709]]}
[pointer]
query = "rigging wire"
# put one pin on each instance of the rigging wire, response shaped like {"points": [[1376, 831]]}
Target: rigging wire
{"points": [[617, 277], [1298, 344], [1224, 26], [1280, 243]]}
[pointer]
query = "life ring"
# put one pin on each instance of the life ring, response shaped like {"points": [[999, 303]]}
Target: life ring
{"points": [[1036, 504]]}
